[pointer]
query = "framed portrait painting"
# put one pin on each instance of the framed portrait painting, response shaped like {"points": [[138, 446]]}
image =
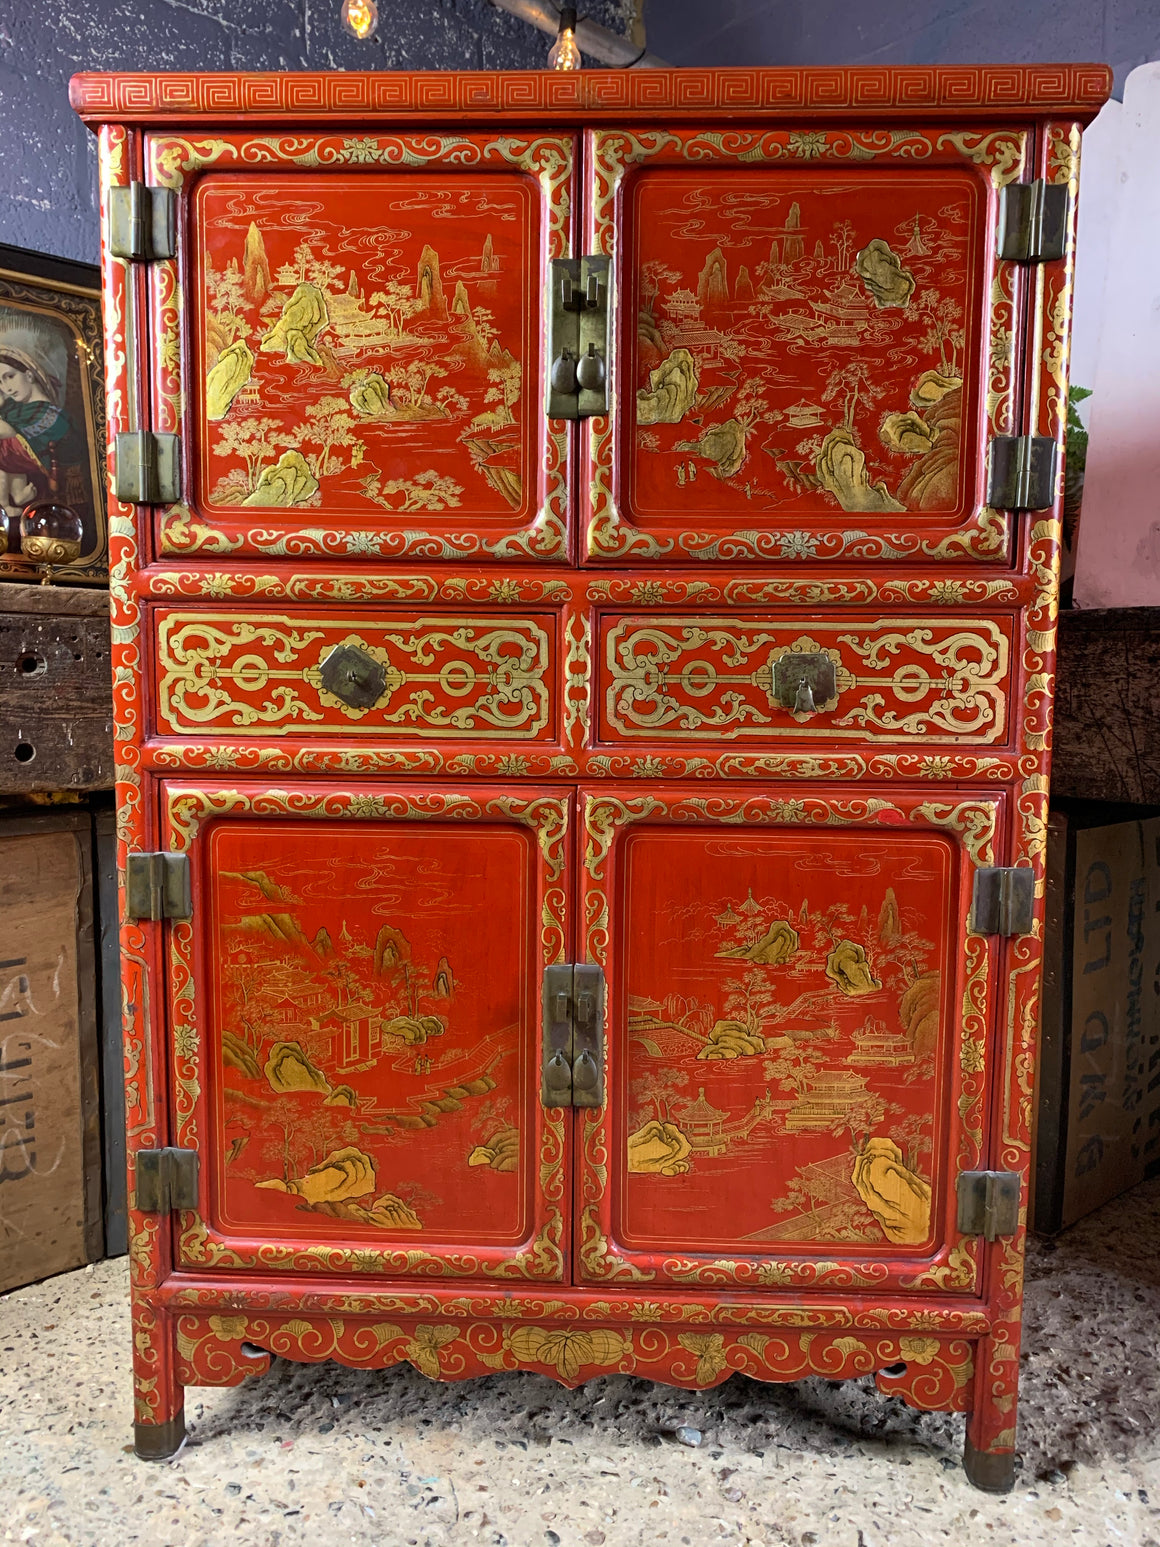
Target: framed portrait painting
{"points": [[52, 406]]}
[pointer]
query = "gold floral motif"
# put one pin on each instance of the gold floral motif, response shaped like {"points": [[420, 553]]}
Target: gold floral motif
{"points": [[578, 680], [937, 1374], [567, 1350], [1064, 141], [183, 532], [519, 1303], [958, 1272], [988, 533], [1004, 151], [974, 821]]}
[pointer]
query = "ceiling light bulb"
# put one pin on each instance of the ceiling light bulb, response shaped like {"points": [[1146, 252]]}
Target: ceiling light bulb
{"points": [[564, 53], [360, 17]]}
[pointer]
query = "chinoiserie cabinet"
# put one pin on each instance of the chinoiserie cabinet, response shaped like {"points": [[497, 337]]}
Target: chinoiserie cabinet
{"points": [[584, 585]]}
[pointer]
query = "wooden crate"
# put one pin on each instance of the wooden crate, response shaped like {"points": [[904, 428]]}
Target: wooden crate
{"points": [[1098, 1130], [56, 690], [1106, 743], [50, 1128]]}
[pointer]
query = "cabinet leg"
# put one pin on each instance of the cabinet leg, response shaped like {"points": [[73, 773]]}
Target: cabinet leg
{"points": [[158, 1395], [991, 1470], [159, 1441], [989, 1452]]}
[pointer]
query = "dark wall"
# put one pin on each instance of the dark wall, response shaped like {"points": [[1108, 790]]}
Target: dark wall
{"points": [[47, 163], [47, 177], [1122, 33]]}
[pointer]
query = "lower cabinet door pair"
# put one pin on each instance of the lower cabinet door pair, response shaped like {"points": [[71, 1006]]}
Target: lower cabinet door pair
{"points": [[794, 1046]]}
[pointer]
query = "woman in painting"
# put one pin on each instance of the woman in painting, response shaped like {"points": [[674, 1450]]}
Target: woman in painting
{"points": [[31, 422]]}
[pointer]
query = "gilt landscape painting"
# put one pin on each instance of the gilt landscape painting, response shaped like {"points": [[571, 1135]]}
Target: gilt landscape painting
{"points": [[367, 344], [785, 1040], [370, 1039], [802, 343]]}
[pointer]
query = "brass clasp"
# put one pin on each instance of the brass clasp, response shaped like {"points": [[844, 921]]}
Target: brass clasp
{"points": [[578, 338], [573, 1036]]}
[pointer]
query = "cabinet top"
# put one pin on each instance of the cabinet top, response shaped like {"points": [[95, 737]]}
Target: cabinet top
{"points": [[1014, 90]]}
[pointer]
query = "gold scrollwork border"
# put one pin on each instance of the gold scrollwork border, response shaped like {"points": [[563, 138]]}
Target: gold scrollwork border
{"points": [[548, 816], [200, 655], [986, 534], [549, 159], [974, 823]]}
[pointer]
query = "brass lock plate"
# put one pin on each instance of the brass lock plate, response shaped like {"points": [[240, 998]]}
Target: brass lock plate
{"points": [[556, 1061], [353, 676], [813, 668], [578, 324], [572, 1067]]}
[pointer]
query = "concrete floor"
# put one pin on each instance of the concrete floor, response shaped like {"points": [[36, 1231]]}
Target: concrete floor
{"points": [[322, 1454]]}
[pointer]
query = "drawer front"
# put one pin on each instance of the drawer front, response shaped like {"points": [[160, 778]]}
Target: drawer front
{"points": [[689, 677], [300, 673]]}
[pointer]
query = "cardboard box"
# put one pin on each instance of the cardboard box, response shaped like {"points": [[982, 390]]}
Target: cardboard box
{"points": [[1099, 1086], [50, 1139]]}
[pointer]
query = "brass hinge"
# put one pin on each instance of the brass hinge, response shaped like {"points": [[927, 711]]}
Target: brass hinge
{"points": [[1023, 472], [573, 1057], [1033, 221], [146, 468], [988, 1203], [166, 1179], [142, 223], [1003, 901], [157, 886], [578, 337]]}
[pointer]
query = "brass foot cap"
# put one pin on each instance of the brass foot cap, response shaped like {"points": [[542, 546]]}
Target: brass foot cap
{"points": [[991, 1470], [158, 1441]]}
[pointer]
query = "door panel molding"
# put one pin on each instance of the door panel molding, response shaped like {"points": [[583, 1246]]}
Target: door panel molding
{"points": [[948, 1014], [338, 1226]]}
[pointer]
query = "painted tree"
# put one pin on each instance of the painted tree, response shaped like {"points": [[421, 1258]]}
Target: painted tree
{"points": [[846, 1217], [793, 1068], [303, 258], [328, 423], [399, 302], [751, 999], [225, 289], [657, 1090], [450, 401], [411, 381], [483, 327], [943, 319], [426, 491], [254, 441], [912, 1134], [323, 273], [653, 274], [852, 385], [504, 390], [750, 404], [862, 1114], [842, 239]]}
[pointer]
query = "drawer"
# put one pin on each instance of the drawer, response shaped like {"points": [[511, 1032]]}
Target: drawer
{"points": [[301, 673], [689, 677]]}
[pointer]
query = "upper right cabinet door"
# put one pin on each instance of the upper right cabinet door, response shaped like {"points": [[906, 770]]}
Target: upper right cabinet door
{"points": [[814, 343]]}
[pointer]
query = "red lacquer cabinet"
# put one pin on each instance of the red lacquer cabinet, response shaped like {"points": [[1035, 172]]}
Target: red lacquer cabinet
{"points": [[584, 581]]}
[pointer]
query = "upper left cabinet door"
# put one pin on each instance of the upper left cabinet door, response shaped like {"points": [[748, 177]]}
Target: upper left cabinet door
{"points": [[350, 345]]}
